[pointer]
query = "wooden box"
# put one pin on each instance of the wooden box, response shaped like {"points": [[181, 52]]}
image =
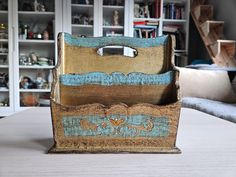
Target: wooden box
{"points": [[114, 103]]}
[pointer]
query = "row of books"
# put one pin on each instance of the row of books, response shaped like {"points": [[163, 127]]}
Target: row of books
{"points": [[173, 11]]}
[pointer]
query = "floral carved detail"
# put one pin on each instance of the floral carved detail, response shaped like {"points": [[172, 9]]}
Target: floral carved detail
{"points": [[117, 126]]}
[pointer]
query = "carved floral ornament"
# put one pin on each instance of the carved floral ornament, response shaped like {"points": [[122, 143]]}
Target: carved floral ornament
{"points": [[116, 125]]}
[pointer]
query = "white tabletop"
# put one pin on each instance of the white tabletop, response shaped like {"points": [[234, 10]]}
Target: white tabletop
{"points": [[208, 147]]}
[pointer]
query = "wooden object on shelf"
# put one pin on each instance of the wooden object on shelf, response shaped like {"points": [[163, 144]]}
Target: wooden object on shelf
{"points": [[116, 126], [221, 51]]}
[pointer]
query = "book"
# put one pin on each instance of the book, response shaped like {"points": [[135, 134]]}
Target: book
{"points": [[157, 9]]}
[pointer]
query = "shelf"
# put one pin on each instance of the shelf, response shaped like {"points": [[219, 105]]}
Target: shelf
{"points": [[36, 67], [81, 26], [31, 42], [113, 7], [37, 41], [3, 54], [4, 66], [113, 27], [82, 5], [35, 90], [35, 13], [4, 89], [175, 20], [4, 40], [147, 19], [180, 51], [3, 11]]}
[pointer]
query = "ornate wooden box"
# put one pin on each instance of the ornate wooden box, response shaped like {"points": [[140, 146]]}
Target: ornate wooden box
{"points": [[114, 103]]}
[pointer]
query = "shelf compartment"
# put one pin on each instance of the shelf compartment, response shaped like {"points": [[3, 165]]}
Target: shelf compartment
{"points": [[36, 17], [82, 9]]}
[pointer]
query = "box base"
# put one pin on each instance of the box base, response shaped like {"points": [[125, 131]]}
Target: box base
{"points": [[174, 150]]}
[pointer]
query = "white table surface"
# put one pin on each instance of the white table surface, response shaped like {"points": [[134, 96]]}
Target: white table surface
{"points": [[208, 147]]}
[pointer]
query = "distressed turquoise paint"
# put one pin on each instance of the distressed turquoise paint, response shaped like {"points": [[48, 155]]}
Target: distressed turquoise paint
{"points": [[120, 41], [73, 127], [116, 78]]}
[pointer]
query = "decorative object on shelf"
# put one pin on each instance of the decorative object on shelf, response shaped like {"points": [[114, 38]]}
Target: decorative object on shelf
{"points": [[27, 83], [136, 10], [43, 61], [29, 99], [106, 22], [3, 48], [4, 80], [82, 19], [116, 18], [45, 35], [25, 32], [50, 78], [23, 59], [35, 5], [3, 59], [34, 58], [4, 103], [3, 31], [40, 81]]}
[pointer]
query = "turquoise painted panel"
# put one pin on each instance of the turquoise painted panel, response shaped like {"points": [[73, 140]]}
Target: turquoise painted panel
{"points": [[116, 78], [120, 41], [116, 126]]}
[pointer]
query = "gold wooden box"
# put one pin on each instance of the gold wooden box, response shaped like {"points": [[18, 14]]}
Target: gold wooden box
{"points": [[114, 103]]}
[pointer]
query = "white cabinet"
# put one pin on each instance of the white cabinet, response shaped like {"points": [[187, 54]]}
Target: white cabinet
{"points": [[33, 26]]}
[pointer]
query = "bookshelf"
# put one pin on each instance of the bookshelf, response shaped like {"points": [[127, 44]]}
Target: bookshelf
{"points": [[153, 18]]}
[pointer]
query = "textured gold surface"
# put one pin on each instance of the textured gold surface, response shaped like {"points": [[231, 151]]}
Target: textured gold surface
{"points": [[115, 144], [80, 60], [89, 61]]}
